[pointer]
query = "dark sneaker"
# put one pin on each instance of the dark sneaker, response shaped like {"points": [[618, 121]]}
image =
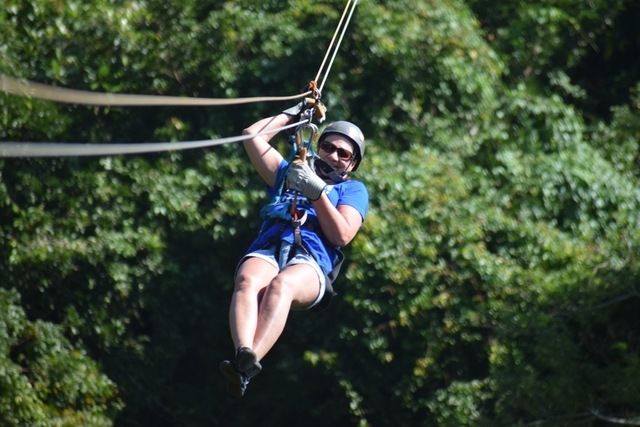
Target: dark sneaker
{"points": [[237, 381], [247, 362]]}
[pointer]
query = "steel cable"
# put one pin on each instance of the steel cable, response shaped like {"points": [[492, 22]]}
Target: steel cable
{"points": [[335, 50], [71, 149], [73, 96]]}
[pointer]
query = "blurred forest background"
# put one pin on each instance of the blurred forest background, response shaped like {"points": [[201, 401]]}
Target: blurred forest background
{"points": [[496, 281]]}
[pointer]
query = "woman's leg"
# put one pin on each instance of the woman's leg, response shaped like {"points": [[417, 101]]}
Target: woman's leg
{"points": [[259, 309], [297, 286], [254, 274]]}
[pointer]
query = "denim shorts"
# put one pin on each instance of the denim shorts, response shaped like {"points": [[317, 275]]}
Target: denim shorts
{"points": [[282, 260]]}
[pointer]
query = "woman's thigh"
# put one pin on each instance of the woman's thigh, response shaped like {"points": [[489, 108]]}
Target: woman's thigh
{"points": [[302, 282]]}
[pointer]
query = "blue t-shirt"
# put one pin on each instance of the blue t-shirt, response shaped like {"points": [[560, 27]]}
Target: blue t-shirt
{"points": [[352, 193]]}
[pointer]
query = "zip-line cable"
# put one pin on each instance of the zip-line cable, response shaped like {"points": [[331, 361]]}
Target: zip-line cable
{"points": [[56, 94], [330, 48], [74, 96], [73, 149]]}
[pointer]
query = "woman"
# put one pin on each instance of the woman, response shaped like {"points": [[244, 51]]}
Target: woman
{"points": [[295, 258]]}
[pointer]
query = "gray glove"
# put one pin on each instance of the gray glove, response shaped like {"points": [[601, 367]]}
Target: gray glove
{"points": [[302, 178], [295, 110], [301, 110]]}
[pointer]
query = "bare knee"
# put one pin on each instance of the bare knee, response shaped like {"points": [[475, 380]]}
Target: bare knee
{"points": [[248, 282], [280, 287], [253, 275]]}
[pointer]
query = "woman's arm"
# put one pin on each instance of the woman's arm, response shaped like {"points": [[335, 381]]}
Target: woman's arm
{"points": [[339, 224], [265, 159]]}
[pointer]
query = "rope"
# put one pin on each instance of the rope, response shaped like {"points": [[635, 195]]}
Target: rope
{"points": [[64, 149], [335, 51], [73, 96]]}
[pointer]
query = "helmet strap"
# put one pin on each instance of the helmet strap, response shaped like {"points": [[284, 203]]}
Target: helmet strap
{"points": [[328, 171]]}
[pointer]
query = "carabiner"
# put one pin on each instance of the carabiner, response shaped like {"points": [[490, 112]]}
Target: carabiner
{"points": [[302, 144]]}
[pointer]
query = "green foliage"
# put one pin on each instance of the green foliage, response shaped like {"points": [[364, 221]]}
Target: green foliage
{"points": [[494, 282], [442, 74], [45, 380]]}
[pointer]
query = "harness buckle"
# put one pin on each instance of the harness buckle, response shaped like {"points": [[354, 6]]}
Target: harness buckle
{"points": [[297, 220]]}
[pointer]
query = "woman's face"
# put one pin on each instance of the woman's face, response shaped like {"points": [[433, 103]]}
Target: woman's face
{"points": [[337, 151]]}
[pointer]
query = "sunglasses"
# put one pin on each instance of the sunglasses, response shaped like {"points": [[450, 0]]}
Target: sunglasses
{"points": [[329, 148]]}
